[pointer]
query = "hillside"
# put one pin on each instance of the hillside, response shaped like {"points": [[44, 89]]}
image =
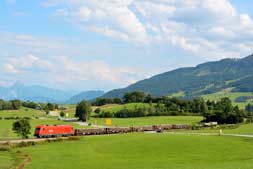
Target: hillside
{"points": [[86, 95], [206, 78]]}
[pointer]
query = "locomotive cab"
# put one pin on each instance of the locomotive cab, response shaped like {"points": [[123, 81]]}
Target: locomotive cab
{"points": [[37, 131]]}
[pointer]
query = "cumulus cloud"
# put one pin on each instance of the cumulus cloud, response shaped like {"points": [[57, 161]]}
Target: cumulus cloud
{"points": [[181, 23], [63, 70], [28, 63]]}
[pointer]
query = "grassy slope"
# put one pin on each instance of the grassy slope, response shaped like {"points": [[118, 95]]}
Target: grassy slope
{"points": [[149, 120], [23, 112], [232, 96], [149, 151]]}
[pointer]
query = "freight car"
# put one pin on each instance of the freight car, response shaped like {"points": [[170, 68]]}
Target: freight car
{"points": [[115, 130], [67, 130]]}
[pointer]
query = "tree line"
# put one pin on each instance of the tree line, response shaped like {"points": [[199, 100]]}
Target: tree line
{"points": [[10, 105], [40, 106], [221, 111], [17, 104]]}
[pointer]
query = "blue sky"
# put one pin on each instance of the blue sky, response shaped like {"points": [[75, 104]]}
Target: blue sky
{"points": [[98, 44]]}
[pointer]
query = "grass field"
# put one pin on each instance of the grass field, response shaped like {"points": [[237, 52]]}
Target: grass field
{"points": [[154, 120], [23, 112], [6, 160], [149, 151], [232, 96]]}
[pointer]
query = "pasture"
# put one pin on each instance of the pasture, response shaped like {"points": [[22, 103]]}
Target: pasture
{"points": [[149, 151]]}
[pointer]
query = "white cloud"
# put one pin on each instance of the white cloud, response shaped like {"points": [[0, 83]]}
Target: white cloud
{"points": [[245, 20], [222, 32], [69, 70], [191, 25], [24, 64], [63, 71], [154, 10], [83, 13], [9, 68], [116, 16]]}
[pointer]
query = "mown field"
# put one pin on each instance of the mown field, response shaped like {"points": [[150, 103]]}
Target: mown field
{"points": [[154, 120], [149, 151], [231, 95]]}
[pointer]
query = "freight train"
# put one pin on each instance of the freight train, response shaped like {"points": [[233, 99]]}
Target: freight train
{"points": [[44, 131]]}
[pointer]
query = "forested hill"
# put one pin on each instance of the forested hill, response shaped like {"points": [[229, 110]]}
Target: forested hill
{"points": [[232, 74]]}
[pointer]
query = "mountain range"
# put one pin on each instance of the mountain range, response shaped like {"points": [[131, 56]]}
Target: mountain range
{"points": [[45, 94], [233, 74], [87, 95]]}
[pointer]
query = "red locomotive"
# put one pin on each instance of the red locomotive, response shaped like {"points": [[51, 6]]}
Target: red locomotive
{"points": [[53, 131]]}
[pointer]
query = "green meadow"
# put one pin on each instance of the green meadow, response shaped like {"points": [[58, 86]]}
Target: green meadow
{"points": [[149, 151]]}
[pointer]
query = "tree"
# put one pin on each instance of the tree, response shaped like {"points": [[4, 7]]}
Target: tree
{"points": [[83, 110], [22, 127], [16, 104], [249, 108], [203, 108], [50, 106], [62, 114], [97, 110]]}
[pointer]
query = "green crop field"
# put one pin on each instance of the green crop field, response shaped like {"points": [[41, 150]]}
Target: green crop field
{"points": [[154, 120], [231, 95], [149, 151]]}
